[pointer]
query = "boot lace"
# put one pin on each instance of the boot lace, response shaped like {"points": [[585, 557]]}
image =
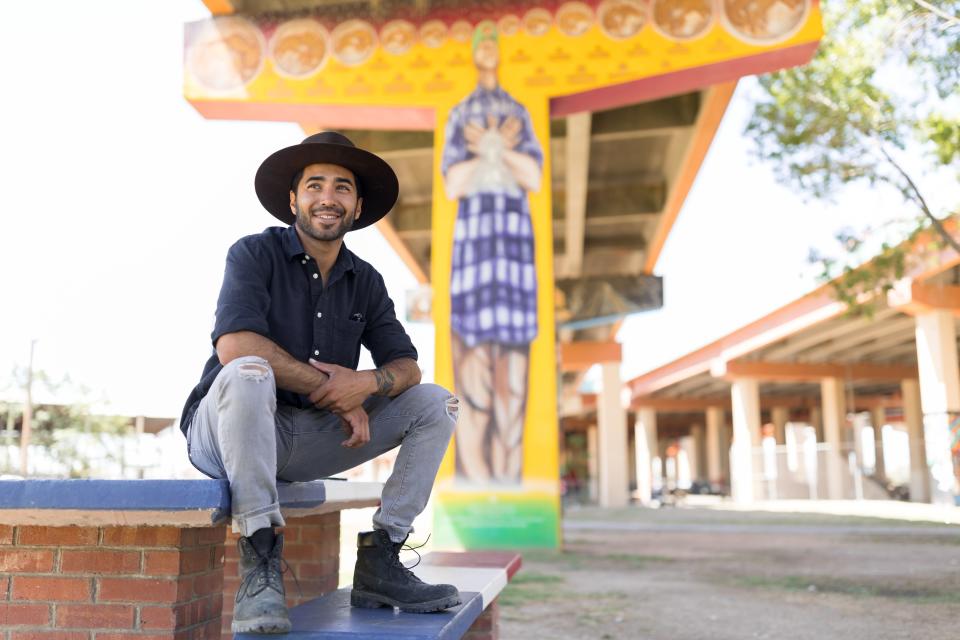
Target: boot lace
{"points": [[405, 547], [267, 574]]}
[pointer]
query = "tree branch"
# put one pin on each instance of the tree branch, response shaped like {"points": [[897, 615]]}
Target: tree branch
{"points": [[940, 13], [923, 203]]}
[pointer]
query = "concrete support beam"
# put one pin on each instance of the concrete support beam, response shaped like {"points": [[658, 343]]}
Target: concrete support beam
{"points": [[745, 396], [939, 398], [913, 417], [834, 418], [645, 449], [712, 444], [780, 416], [581, 355], [878, 418], [612, 419], [698, 468], [593, 464], [810, 372], [577, 160]]}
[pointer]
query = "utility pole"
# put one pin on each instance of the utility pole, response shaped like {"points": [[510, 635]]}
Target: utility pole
{"points": [[27, 415]]}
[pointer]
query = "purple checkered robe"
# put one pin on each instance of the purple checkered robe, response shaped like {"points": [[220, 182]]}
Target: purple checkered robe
{"points": [[493, 279]]}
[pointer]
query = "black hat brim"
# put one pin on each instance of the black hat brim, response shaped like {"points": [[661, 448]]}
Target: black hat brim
{"points": [[378, 186]]}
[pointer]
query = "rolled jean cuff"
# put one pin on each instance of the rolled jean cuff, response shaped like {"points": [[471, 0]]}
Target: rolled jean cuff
{"points": [[396, 533], [246, 523]]}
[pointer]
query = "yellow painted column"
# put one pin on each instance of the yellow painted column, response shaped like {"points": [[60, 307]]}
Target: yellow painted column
{"points": [[612, 419], [745, 394], [645, 449], [834, 417], [939, 398], [913, 417]]}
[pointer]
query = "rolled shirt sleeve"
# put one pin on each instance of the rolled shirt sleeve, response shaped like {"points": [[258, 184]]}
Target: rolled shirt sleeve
{"points": [[383, 335], [244, 301]]}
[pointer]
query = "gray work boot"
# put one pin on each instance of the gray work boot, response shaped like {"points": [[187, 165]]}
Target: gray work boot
{"points": [[381, 580], [261, 600]]}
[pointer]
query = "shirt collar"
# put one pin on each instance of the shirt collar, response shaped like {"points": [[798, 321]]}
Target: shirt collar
{"points": [[293, 249]]}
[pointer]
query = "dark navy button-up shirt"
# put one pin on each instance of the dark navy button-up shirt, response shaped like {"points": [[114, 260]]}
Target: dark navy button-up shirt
{"points": [[272, 287]]}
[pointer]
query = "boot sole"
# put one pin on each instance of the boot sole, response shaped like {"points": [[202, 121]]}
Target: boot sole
{"points": [[368, 600], [261, 625]]}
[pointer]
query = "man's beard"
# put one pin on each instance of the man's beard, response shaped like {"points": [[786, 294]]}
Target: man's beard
{"points": [[304, 223]]}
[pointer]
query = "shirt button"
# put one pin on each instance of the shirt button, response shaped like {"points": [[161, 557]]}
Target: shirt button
{"points": [[316, 275], [316, 353], [319, 315], [303, 262]]}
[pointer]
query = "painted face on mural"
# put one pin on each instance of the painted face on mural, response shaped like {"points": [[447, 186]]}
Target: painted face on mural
{"points": [[326, 202], [486, 56]]}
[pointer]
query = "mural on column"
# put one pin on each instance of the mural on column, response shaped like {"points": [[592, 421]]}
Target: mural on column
{"points": [[487, 80]]}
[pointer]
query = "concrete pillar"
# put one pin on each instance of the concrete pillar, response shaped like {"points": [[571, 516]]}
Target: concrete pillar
{"points": [[592, 463], [698, 467], [834, 417], [913, 417], [816, 421], [612, 419], [746, 435], [878, 418], [645, 448], [939, 398], [712, 445], [780, 416]]}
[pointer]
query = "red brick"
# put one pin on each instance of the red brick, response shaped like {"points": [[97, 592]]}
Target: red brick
{"points": [[12, 615], [58, 536], [161, 563], [20, 560], [99, 561], [50, 635], [310, 570], [51, 589], [141, 537], [208, 583], [213, 535], [4, 588], [133, 635], [196, 560], [154, 618], [136, 590], [6, 534], [95, 616]]}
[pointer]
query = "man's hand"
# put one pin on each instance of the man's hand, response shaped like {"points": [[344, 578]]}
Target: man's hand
{"points": [[344, 391], [357, 425]]}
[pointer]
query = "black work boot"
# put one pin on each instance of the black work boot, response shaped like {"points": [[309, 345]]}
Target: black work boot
{"points": [[381, 580], [261, 605]]}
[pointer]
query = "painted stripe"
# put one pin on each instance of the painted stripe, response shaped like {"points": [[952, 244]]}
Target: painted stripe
{"points": [[488, 582], [116, 495]]}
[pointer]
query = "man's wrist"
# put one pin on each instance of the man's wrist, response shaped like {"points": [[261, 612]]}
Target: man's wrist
{"points": [[384, 381]]}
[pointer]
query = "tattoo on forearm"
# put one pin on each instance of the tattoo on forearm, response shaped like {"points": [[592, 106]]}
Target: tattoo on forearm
{"points": [[385, 380]]}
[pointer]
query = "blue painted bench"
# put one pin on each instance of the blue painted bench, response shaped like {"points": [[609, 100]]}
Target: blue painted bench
{"points": [[480, 576]]}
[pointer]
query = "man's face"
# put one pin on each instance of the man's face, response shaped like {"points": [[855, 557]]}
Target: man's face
{"points": [[487, 55], [326, 201]]}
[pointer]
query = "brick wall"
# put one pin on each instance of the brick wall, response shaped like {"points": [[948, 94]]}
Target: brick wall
{"points": [[311, 546], [110, 583], [487, 626]]}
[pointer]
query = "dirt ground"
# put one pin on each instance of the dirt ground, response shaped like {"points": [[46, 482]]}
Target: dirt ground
{"points": [[700, 574]]}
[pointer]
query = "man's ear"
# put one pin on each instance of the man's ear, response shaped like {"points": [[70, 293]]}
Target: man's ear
{"points": [[293, 203], [359, 208]]}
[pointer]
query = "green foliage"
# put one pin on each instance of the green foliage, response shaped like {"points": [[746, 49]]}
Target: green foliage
{"points": [[883, 81]]}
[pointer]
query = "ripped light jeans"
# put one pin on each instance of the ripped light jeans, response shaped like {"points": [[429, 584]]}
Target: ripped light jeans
{"points": [[240, 433]]}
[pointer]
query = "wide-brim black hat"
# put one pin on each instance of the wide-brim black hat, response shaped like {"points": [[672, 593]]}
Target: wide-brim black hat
{"points": [[377, 183]]}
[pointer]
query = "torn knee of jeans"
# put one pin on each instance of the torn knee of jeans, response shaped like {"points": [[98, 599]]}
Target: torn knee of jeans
{"points": [[452, 406], [253, 371]]}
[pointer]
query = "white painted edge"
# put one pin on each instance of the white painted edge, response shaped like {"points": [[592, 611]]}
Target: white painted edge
{"points": [[486, 581], [344, 495], [109, 518]]}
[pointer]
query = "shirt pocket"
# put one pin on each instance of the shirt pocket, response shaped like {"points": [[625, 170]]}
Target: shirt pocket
{"points": [[346, 341]]}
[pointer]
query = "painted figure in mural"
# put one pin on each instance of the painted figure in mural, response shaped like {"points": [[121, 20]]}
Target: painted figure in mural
{"points": [[282, 383], [491, 161]]}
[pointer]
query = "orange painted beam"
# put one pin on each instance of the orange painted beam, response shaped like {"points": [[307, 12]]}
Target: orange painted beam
{"points": [[219, 7], [811, 372], [715, 105], [915, 297], [577, 356]]}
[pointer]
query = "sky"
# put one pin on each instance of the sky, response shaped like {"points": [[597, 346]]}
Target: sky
{"points": [[118, 203]]}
